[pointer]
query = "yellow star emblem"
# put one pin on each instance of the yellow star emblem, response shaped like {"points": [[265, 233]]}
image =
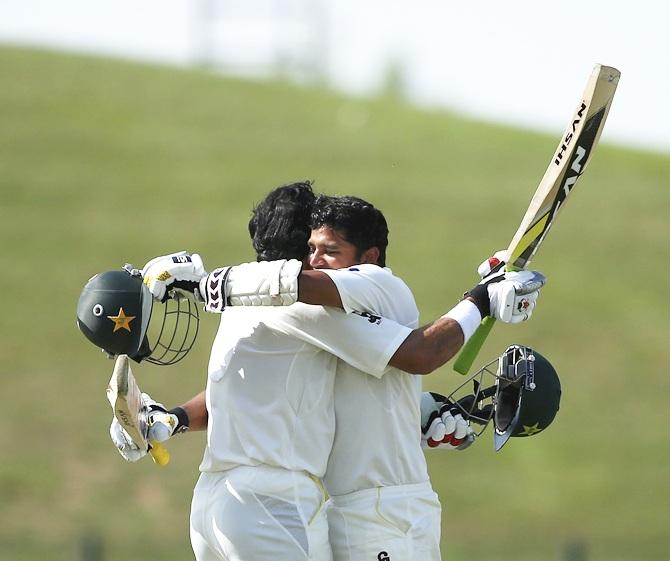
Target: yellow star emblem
{"points": [[530, 430], [121, 321]]}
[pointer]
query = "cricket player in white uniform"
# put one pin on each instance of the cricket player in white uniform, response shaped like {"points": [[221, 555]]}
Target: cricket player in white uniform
{"points": [[269, 403], [270, 428], [383, 506], [270, 417]]}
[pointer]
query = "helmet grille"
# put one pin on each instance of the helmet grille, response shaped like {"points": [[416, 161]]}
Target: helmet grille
{"points": [[170, 339]]}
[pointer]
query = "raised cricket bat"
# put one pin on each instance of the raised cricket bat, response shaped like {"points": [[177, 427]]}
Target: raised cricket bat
{"points": [[125, 397], [567, 165]]}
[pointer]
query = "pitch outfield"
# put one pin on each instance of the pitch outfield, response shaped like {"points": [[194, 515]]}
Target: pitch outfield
{"points": [[103, 162]]}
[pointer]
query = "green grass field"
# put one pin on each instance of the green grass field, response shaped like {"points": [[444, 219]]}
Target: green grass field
{"points": [[103, 163]]}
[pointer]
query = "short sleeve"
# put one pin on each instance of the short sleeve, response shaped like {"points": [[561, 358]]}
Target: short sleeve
{"points": [[365, 341], [373, 289]]}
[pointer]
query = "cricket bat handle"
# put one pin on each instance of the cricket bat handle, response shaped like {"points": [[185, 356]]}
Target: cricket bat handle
{"points": [[159, 453], [471, 349]]}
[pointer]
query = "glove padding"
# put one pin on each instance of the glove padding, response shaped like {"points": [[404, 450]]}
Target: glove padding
{"points": [[513, 299], [130, 451], [442, 425], [264, 283], [494, 263], [162, 424], [508, 296], [181, 270]]}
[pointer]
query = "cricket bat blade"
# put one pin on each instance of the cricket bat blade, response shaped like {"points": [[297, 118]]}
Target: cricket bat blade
{"points": [[566, 167], [125, 397]]}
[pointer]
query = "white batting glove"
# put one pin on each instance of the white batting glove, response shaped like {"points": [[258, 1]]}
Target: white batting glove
{"points": [[124, 444], [507, 305], [507, 296], [164, 424], [181, 270], [494, 263], [513, 299], [442, 425]]}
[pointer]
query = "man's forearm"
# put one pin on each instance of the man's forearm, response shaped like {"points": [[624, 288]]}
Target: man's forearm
{"points": [[426, 348], [429, 347], [267, 283], [196, 409]]}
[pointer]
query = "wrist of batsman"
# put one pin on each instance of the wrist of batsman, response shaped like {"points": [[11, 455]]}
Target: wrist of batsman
{"points": [[479, 296], [182, 419]]}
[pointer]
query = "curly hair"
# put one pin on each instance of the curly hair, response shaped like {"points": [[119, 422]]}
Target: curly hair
{"points": [[280, 223]]}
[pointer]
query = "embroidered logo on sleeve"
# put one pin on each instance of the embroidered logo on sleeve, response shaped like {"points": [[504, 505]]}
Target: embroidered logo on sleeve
{"points": [[370, 317]]}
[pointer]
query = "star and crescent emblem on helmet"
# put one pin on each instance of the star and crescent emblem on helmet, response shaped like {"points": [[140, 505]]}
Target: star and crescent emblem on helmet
{"points": [[530, 430], [121, 321]]}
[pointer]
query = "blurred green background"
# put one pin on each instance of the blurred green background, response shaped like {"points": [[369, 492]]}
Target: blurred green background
{"points": [[103, 163]]}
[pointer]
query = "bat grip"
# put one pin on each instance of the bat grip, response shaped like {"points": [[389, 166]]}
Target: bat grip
{"points": [[471, 349], [159, 453]]}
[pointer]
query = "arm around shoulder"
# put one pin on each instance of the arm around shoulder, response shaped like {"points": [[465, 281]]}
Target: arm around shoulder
{"points": [[429, 347], [316, 287], [433, 345]]}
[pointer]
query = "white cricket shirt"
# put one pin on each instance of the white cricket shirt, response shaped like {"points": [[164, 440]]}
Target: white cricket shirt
{"points": [[378, 420], [270, 382]]}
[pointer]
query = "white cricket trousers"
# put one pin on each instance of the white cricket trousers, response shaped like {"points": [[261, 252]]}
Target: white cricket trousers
{"points": [[397, 523], [259, 513]]}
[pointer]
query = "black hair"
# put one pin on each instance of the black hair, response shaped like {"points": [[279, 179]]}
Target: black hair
{"points": [[356, 220], [280, 223]]}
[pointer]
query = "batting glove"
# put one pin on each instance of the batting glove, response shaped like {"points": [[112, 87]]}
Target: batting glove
{"points": [[494, 263], [124, 444], [164, 424], [442, 425], [508, 296], [182, 271]]}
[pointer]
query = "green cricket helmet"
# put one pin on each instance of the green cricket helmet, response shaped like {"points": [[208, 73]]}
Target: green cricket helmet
{"points": [[519, 391], [528, 394], [116, 313]]}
